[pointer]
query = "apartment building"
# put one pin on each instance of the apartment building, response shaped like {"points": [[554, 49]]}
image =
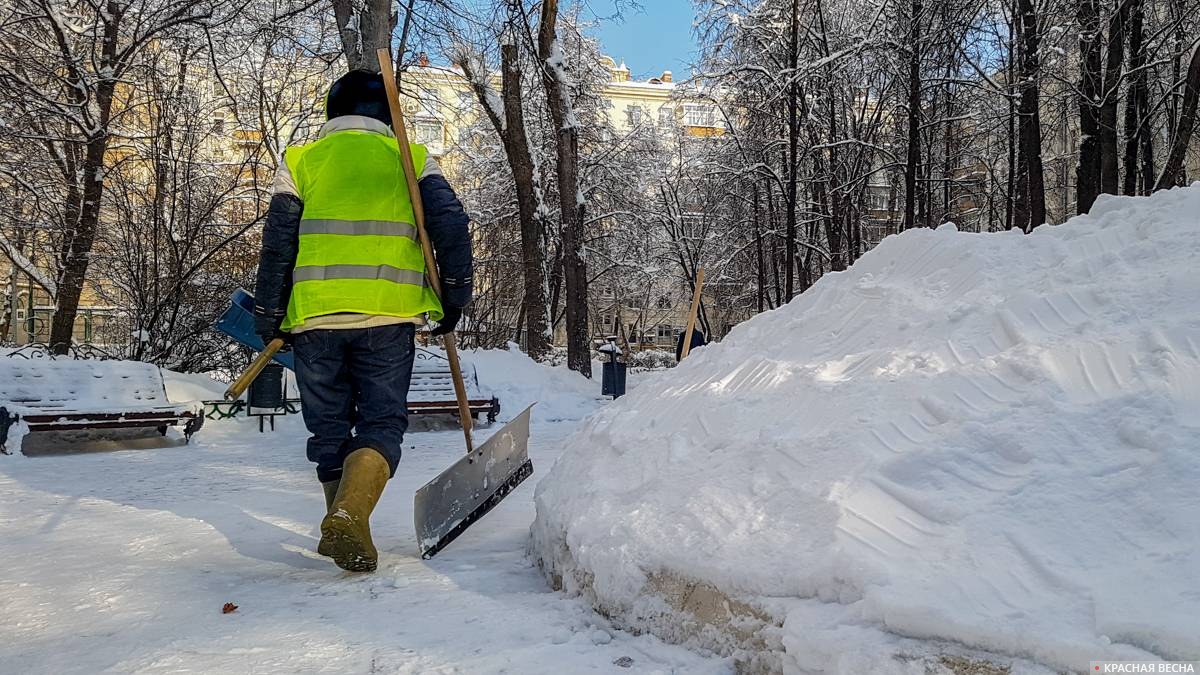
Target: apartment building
{"points": [[441, 109]]}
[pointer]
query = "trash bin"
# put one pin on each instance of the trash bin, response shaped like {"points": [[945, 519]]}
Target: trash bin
{"points": [[612, 382], [266, 397]]}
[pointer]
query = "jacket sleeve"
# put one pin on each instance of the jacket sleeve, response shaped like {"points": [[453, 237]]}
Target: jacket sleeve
{"points": [[449, 232], [280, 243]]}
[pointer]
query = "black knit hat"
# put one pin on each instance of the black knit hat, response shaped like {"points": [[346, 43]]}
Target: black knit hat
{"points": [[358, 92]]}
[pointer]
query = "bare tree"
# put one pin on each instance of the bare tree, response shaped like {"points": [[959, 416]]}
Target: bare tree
{"points": [[507, 116], [61, 65], [1173, 172], [365, 26], [558, 86]]}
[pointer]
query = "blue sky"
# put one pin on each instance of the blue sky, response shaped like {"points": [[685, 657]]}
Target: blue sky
{"points": [[654, 38]]}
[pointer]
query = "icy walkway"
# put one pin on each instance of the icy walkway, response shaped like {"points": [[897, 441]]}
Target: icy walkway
{"points": [[122, 561]]}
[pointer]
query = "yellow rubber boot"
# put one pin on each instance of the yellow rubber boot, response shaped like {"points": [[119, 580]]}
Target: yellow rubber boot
{"points": [[346, 531], [330, 488]]}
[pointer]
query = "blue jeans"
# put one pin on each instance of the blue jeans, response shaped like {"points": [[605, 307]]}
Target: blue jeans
{"points": [[354, 392]]}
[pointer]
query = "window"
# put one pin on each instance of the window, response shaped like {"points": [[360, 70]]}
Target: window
{"points": [[466, 100], [695, 115], [431, 98], [665, 335], [429, 103], [634, 115], [666, 116], [218, 124], [664, 302], [429, 132], [877, 197], [692, 221]]}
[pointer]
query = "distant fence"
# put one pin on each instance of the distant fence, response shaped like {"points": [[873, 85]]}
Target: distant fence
{"points": [[41, 350]]}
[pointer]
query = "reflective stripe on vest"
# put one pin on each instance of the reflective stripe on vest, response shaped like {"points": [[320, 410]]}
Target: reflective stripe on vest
{"points": [[384, 272], [380, 228], [358, 252]]}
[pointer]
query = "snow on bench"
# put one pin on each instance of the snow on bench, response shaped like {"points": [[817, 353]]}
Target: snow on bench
{"points": [[56, 394]]}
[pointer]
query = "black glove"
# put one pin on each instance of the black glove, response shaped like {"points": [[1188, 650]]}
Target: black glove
{"points": [[266, 326], [450, 317]]}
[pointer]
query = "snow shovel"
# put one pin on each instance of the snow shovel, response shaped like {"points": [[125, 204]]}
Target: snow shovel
{"points": [[446, 506]]}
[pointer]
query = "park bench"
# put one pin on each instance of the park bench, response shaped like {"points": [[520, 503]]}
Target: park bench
{"points": [[432, 388], [63, 394]]}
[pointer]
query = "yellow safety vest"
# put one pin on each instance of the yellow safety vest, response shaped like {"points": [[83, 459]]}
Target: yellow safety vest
{"points": [[359, 251]]}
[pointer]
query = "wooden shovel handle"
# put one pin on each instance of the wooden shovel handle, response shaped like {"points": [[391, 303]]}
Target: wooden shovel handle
{"points": [[239, 386], [414, 193]]}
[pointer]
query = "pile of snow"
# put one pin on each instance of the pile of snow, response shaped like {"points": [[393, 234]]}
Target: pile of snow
{"points": [[192, 387], [79, 388], [519, 381], [979, 440], [80, 384]]}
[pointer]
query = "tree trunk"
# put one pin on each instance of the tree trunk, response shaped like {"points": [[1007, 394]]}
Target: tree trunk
{"points": [[78, 242], [773, 216], [8, 314], [793, 158], [1136, 99], [761, 276], [364, 26], [571, 201], [948, 131], [1173, 170], [513, 136], [1021, 210], [912, 164], [1110, 101], [1031, 121], [83, 203], [1013, 167], [538, 335], [1087, 175], [1146, 138]]}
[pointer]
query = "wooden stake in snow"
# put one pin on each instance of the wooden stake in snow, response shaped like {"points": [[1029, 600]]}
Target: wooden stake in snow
{"points": [[691, 325]]}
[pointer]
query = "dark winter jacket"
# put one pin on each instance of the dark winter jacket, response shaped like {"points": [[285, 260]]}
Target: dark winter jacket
{"points": [[445, 221]]}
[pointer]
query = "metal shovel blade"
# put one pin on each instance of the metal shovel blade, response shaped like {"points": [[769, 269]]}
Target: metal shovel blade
{"points": [[447, 505]]}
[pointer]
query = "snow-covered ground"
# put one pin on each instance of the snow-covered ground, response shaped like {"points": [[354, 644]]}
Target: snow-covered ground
{"points": [[122, 561], [965, 442]]}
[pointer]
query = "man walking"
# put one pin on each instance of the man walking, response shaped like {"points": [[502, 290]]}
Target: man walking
{"points": [[342, 278]]}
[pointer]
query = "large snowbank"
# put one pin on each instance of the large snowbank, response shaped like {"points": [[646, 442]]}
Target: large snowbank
{"points": [[979, 440]]}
